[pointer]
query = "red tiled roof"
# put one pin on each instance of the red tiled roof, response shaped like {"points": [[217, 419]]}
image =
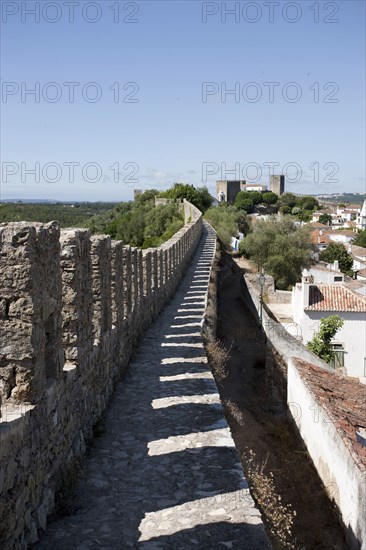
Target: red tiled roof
{"points": [[317, 224], [358, 251], [344, 399], [345, 233], [317, 238], [334, 297]]}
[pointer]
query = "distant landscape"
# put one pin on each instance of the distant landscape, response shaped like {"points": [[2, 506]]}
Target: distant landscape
{"points": [[137, 223]]}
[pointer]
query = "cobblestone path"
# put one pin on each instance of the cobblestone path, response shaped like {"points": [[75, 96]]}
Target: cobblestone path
{"points": [[164, 473]]}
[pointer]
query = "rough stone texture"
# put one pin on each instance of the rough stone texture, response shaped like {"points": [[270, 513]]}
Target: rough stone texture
{"points": [[164, 472], [77, 306], [59, 296], [329, 413], [30, 293]]}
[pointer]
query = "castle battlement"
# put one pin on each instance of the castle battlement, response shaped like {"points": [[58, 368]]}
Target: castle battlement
{"points": [[72, 307]]}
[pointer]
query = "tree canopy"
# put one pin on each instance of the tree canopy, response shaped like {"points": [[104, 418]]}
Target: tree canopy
{"points": [[326, 219], [300, 206], [281, 248], [268, 197], [360, 240], [337, 251], [227, 221], [199, 196], [247, 200]]}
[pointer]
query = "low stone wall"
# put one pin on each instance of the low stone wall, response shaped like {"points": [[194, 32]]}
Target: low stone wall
{"points": [[277, 336], [72, 308], [280, 297], [334, 456], [342, 472]]}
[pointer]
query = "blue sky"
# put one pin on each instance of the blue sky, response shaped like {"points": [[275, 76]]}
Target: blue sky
{"points": [[168, 125]]}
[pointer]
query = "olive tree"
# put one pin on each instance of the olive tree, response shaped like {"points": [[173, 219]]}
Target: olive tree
{"points": [[281, 248]]}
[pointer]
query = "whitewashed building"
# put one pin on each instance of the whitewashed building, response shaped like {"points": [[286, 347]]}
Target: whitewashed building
{"points": [[361, 218], [345, 237], [312, 302]]}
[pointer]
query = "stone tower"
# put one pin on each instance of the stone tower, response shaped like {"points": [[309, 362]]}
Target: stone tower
{"points": [[230, 188], [277, 184]]}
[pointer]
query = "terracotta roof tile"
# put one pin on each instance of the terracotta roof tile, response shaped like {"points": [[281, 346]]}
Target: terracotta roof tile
{"points": [[344, 399], [358, 251], [345, 233], [317, 238], [335, 297]]}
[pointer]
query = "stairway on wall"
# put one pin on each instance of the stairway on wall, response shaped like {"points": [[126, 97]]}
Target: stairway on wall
{"points": [[164, 473]]}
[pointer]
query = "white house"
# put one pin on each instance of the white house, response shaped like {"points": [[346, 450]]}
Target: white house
{"points": [[358, 254], [221, 197], [361, 218], [312, 302], [344, 237], [235, 241], [348, 213], [325, 273], [254, 187]]}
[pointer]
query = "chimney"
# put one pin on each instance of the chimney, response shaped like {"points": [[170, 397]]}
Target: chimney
{"points": [[306, 281], [336, 265]]}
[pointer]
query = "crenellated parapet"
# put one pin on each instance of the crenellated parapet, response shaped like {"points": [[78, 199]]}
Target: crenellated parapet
{"points": [[72, 307]]}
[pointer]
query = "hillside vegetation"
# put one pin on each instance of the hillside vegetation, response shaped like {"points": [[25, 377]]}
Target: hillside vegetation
{"points": [[67, 214], [138, 223]]}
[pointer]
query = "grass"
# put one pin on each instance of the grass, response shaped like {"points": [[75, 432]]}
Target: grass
{"points": [[279, 516], [218, 357]]}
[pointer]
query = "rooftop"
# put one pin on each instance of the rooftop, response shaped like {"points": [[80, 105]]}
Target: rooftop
{"points": [[323, 266], [359, 251], [335, 297], [345, 232], [319, 237], [343, 398]]}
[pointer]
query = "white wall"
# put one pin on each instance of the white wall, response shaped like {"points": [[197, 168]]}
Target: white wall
{"points": [[323, 276], [340, 474], [345, 239], [352, 335]]}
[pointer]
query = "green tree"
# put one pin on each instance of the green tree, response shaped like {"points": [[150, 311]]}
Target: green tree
{"points": [[321, 341], [199, 196], [245, 201], [281, 248], [256, 196], [288, 199], [326, 219], [337, 251], [296, 210], [360, 240], [148, 195], [308, 203], [269, 198], [243, 221], [224, 219], [285, 210]]}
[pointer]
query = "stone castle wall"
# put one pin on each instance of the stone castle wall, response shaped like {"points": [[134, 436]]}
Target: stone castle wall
{"points": [[72, 307], [339, 467]]}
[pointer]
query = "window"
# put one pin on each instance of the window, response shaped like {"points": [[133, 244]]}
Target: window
{"points": [[338, 356], [337, 279]]}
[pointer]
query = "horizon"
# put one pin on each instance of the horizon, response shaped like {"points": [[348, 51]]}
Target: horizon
{"points": [[73, 201]]}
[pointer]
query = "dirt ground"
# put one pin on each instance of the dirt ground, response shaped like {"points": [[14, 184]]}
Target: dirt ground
{"points": [[297, 513]]}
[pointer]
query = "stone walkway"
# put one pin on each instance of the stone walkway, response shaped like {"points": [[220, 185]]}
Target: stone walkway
{"points": [[164, 474]]}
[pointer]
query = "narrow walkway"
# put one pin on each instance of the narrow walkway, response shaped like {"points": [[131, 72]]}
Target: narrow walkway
{"points": [[164, 474]]}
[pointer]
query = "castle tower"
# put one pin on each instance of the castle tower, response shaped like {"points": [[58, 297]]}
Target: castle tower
{"points": [[277, 184], [230, 188]]}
